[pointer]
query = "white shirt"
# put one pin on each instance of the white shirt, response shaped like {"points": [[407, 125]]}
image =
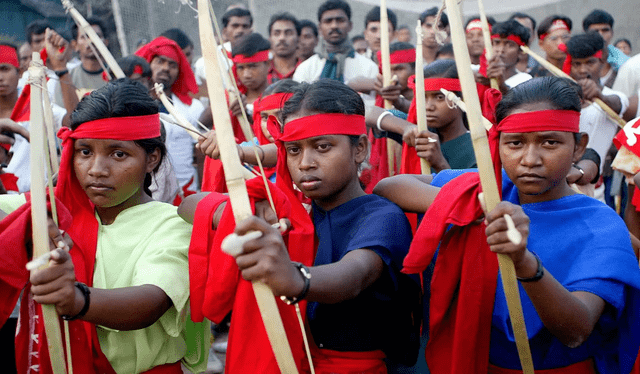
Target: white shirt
{"points": [[309, 70], [518, 78], [180, 143], [628, 79], [600, 128], [20, 164]]}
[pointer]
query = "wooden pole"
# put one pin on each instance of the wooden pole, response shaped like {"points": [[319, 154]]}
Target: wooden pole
{"points": [[237, 188], [95, 39], [385, 61], [559, 73], [180, 120], [486, 35], [39, 207], [421, 110], [487, 178]]}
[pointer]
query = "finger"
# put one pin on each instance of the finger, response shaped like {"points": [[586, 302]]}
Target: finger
{"points": [[6, 140], [252, 223], [51, 287], [60, 296], [247, 260]]}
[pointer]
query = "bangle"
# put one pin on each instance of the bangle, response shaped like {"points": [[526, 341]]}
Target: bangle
{"points": [[580, 170], [306, 275], [539, 273], [87, 301], [60, 73], [379, 121]]}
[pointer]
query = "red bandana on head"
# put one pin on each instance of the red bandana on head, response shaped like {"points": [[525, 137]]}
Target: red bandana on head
{"points": [[475, 24], [271, 102], [186, 81], [8, 55], [403, 56], [513, 38], [261, 56], [555, 26], [566, 67]]}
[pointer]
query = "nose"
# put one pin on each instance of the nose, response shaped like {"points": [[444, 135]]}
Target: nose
{"points": [[307, 160], [98, 167], [430, 104], [530, 156]]}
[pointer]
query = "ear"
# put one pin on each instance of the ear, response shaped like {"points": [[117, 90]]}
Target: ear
{"points": [[362, 149], [153, 160], [580, 147]]}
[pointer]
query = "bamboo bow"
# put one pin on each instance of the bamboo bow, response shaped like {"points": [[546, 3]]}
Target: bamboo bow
{"points": [[421, 111], [486, 35], [487, 178], [385, 61], [236, 185], [39, 205]]}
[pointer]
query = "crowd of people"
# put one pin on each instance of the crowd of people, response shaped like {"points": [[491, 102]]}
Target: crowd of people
{"points": [[376, 265]]}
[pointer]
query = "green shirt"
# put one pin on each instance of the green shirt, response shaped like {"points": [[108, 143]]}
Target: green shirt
{"points": [[459, 152]]}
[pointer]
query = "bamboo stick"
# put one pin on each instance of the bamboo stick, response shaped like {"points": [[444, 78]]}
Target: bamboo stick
{"points": [[421, 111], [385, 61], [463, 107], [486, 35], [487, 179], [54, 161], [559, 73], [38, 207], [95, 39], [179, 119], [237, 188]]}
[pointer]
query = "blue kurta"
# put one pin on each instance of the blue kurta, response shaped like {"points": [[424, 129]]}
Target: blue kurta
{"points": [[585, 245], [367, 222]]}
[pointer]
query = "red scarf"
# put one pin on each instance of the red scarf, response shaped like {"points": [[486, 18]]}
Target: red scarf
{"points": [[8, 55], [9, 181], [186, 81], [22, 110]]}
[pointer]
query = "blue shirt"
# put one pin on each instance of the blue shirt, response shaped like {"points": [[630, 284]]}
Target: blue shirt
{"points": [[367, 222], [586, 247]]}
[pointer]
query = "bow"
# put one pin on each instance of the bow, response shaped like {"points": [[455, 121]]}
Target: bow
{"points": [[236, 184], [487, 178], [486, 35], [421, 111]]}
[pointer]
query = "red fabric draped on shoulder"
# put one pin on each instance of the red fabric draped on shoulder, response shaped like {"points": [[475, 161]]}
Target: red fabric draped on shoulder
{"points": [[217, 286], [464, 278]]}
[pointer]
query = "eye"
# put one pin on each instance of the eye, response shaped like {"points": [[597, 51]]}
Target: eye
{"points": [[84, 151], [293, 150], [119, 154], [514, 143], [323, 147], [550, 142]]}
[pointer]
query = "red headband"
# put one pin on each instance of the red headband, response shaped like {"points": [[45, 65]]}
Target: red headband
{"points": [[566, 66], [6, 146], [544, 120], [261, 56], [475, 24], [513, 38], [119, 128], [555, 26], [435, 84], [8, 55], [271, 102], [403, 56]]}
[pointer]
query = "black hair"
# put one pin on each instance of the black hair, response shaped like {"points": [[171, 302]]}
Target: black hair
{"points": [[490, 20], [625, 40], [585, 45], [249, 45], [285, 16], [357, 37], [333, 5], [307, 23], [179, 37], [511, 27], [374, 16], [129, 63], [121, 98], [595, 17], [546, 23], [281, 86], [93, 21], [432, 12], [524, 15], [37, 27], [402, 27], [236, 12], [559, 93], [446, 49], [323, 96]]}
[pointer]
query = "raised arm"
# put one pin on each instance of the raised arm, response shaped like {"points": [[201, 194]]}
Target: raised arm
{"points": [[412, 193]]}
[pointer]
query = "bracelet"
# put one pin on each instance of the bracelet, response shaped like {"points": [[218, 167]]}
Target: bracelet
{"points": [[87, 301], [306, 275], [60, 73], [580, 170], [379, 121], [539, 273]]}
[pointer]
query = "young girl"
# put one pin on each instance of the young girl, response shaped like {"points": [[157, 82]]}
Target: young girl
{"points": [[354, 283], [580, 311], [124, 281]]}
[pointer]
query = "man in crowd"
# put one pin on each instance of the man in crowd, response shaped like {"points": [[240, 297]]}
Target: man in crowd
{"points": [[284, 36], [430, 45], [525, 63], [602, 22], [553, 31], [308, 39], [372, 30]]}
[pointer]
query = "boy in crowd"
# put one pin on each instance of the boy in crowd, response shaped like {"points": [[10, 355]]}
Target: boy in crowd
{"points": [[526, 63], [552, 32], [308, 39], [475, 39], [602, 22], [430, 46], [372, 31], [284, 36], [507, 38]]}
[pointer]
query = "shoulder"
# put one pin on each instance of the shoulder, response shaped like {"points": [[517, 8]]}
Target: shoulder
{"points": [[307, 68], [159, 214]]}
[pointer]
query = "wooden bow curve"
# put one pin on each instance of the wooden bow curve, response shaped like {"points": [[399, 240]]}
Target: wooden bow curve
{"points": [[487, 178], [236, 184]]}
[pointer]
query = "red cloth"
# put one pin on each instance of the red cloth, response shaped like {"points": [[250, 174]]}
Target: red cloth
{"points": [[464, 279], [174, 368], [379, 166], [513, 38], [274, 75], [8, 55], [326, 361], [31, 344], [260, 56], [22, 110], [556, 25], [636, 367], [217, 286], [475, 24], [402, 56], [186, 81], [9, 181]]}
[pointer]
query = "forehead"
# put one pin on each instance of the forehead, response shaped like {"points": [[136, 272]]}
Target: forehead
{"points": [[237, 21], [163, 59], [505, 41], [590, 59], [373, 24], [307, 31], [430, 20], [600, 26], [332, 14], [283, 24]]}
